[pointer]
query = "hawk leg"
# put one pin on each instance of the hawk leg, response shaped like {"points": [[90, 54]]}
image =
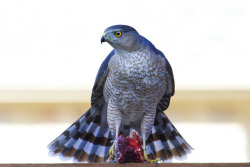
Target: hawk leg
{"points": [[112, 148], [146, 128], [114, 121]]}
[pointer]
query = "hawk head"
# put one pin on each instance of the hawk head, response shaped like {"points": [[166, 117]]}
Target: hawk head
{"points": [[122, 37]]}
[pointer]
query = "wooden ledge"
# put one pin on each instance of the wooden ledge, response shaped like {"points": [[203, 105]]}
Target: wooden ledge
{"points": [[131, 165]]}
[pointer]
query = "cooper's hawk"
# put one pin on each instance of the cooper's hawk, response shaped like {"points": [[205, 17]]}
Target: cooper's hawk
{"points": [[132, 89]]}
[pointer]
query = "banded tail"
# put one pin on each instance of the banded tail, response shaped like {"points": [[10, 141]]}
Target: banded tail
{"points": [[86, 140], [89, 139], [165, 142]]}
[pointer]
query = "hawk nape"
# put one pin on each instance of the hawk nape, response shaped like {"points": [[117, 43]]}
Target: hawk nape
{"points": [[132, 89]]}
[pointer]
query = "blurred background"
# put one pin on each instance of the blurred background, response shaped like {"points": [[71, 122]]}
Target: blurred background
{"points": [[50, 53]]}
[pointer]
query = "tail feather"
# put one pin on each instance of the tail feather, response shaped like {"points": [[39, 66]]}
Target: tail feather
{"points": [[87, 139], [95, 151], [162, 147], [150, 150], [69, 132], [165, 142]]}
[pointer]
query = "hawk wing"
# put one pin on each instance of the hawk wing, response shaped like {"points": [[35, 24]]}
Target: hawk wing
{"points": [[165, 100], [97, 91]]}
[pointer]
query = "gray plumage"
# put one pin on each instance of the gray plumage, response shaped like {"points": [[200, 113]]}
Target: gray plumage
{"points": [[133, 87]]}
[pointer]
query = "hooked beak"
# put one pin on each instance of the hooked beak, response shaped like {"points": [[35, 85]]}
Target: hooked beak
{"points": [[103, 39]]}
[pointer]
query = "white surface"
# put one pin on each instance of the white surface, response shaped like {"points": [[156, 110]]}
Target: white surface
{"points": [[225, 142], [55, 44]]}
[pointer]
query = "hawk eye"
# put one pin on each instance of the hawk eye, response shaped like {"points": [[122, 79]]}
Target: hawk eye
{"points": [[118, 33]]}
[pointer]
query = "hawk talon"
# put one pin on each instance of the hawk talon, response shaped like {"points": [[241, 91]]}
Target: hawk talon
{"points": [[145, 157], [112, 151]]}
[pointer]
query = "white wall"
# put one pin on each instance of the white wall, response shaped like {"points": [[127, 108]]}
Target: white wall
{"points": [[55, 44]]}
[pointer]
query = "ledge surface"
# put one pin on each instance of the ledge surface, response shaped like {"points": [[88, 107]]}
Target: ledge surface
{"points": [[131, 165]]}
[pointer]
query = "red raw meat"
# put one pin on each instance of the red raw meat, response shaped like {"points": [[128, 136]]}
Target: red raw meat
{"points": [[129, 149]]}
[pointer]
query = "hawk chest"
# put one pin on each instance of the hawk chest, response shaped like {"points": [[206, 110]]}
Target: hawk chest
{"points": [[135, 76]]}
